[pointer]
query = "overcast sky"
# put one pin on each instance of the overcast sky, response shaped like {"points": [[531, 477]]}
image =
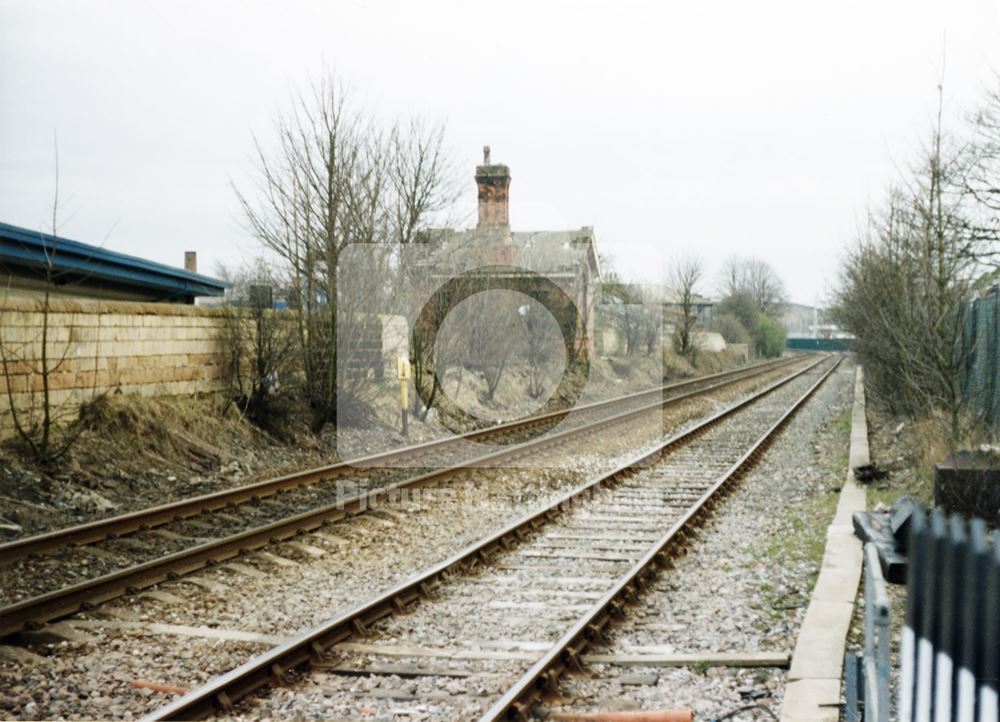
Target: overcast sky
{"points": [[720, 128]]}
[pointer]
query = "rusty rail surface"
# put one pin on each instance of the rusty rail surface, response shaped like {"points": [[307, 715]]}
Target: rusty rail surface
{"points": [[50, 606], [221, 693], [154, 516]]}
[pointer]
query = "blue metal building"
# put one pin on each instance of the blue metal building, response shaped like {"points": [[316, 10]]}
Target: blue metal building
{"points": [[81, 270]]}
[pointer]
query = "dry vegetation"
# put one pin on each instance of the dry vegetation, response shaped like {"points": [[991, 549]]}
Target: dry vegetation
{"points": [[907, 282], [136, 451], [908, 449]]}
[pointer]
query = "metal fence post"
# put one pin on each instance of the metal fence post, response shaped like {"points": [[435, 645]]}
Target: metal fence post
{"points": [[877, 630]]}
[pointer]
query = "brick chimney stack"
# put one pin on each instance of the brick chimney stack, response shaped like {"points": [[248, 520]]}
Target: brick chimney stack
{"points": [[493, 182], [191, 261]]}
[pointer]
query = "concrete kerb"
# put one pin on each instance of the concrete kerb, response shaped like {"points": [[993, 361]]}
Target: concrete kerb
{"points": [[813, 689]]}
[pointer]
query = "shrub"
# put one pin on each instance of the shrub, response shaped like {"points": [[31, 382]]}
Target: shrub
{"points": [[732, 330], [770, 337]]}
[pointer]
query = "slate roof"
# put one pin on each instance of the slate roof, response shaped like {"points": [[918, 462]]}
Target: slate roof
{"points": [[544, 251]]}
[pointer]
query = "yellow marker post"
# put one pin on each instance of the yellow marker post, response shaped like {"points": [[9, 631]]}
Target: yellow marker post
{"points": [[403, 374]]}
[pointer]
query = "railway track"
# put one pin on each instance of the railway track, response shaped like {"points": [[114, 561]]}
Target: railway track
{"points": [[556, 577], [152, 517], [251, 517]]}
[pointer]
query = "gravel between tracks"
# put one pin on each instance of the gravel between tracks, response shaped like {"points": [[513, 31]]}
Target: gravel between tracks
{"points": [[92, 678], [746, 584], [685, 610]]}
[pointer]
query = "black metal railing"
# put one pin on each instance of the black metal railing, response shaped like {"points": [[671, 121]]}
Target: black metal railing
{"points": [[950, 652]]}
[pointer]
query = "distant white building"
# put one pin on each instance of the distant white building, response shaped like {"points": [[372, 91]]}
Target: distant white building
{"points": [[802, 321], [663, 295]]}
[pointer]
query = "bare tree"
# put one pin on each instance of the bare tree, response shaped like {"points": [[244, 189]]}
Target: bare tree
{"points": [[479, 329], [258, 342], [637, 325], [754, 279], [623, 300], [980, 170], [48, 429], [539, 351], [753, 294], [683, 275], [652, 320], [337, 178], [905, 287], [421, 176]]}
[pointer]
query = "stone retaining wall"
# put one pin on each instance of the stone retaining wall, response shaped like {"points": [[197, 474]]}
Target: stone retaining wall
{"points": [[99, 346]]}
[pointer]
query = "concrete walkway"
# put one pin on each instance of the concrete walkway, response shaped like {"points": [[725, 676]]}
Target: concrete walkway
{"points": [[813, 689]]}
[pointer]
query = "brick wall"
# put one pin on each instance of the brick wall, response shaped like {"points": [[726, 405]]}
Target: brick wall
{"points": [[145, 348]]}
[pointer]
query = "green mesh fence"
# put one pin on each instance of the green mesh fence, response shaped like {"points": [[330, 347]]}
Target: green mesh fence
{"points": [[819, 344], [982, 338]]}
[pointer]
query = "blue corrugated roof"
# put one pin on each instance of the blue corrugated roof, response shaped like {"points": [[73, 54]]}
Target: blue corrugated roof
{"points": [[26, 248]]}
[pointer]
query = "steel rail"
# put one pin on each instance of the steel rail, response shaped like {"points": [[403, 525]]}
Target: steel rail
{"points": [[159, 515], [272, 666], [37, 610], [543, 676]]}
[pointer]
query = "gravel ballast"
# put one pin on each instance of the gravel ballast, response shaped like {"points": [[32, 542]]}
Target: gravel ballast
{"points": [[388, 544], [745, 585]]}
